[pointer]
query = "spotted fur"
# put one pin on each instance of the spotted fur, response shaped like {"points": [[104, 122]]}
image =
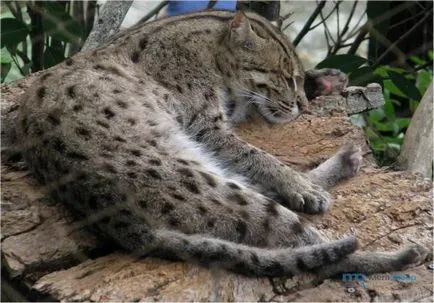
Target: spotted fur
{"points": [[136, 136]]}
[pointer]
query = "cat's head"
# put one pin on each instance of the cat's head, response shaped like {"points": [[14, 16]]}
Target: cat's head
{"points": [[270, 76]]}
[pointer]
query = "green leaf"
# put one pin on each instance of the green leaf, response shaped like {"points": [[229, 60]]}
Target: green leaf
{"points": [[5, 59], [393, 140], [59, 25], [382, 71], [371, 134], [376, 115], [12, 33], [5, 68], [386, 93], [53, 56], [392, 88], [378, 145], [389, 110], [363, 76], [413, 105], [346, 63], [387, 127], [406, 86], [403, 122], [394, 146], [395, 69], [5, 56], [423, 80], [417, 60]]}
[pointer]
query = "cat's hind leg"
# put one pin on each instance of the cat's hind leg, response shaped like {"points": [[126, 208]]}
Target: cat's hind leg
{"points": [[375, 262], [250, 260]]}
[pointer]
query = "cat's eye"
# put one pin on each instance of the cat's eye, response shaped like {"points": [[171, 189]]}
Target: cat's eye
{"points": [[248, 45]]}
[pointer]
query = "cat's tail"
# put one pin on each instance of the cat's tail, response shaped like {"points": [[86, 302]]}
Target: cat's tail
{"points": [[250, 260]]}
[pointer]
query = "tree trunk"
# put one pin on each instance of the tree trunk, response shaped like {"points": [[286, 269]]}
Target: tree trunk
{"points": [[36, 35], [417, 150], [109, 20]]}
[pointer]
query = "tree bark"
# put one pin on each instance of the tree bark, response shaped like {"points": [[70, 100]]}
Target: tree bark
{"points": [[110, 19], [51, 256], [417, 150]]}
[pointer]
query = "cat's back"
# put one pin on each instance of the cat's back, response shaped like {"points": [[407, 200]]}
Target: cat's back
{"points": [[90, 78], [86, 114]]}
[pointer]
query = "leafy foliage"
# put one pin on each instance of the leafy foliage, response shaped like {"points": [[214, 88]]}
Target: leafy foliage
{"points": [[46, 25], [60, 25], [384, 127], [346, 63], [13, 32]]}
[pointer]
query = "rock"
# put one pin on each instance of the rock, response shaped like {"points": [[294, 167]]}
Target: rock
{"points": [[48, 255], [354, 100], [360, 99]]}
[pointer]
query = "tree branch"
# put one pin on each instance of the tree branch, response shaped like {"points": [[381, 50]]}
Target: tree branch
{"points": [[108, 23], [359, 39], [309, 22], [325, 18], [153, 12], [327, 34], [356, 28], [36, 35], [283, 19], [393, 45], [347, 24]]}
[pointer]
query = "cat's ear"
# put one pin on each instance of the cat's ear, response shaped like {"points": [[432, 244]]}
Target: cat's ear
{"points": [[239, 27]]}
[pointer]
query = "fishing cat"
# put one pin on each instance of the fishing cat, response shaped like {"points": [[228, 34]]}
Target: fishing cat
{"points": [[136, 137]]}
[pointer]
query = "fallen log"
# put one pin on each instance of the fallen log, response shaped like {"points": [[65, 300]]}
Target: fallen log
{"points": [[47, 254]]}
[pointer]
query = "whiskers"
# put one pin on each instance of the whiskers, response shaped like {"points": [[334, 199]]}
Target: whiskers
{"points": [[251, 96], [269, 109]]}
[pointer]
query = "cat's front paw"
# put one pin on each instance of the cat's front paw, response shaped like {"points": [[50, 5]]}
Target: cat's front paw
{"points": [[308, 197]]}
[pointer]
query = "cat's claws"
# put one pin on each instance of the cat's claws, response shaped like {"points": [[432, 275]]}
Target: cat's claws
{"points": [[309, 198], [316, 201]]}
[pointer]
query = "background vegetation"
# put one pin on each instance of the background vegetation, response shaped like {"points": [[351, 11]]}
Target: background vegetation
{"points": [[38, 35]]}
